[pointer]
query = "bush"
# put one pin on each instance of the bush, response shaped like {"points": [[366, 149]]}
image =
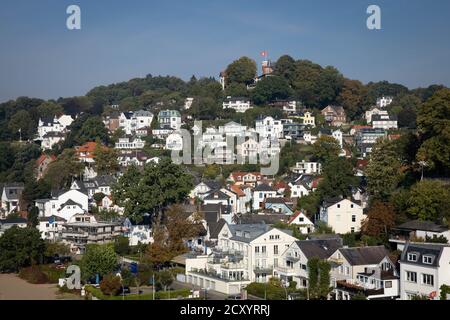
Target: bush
{"points": [[269, 291], [33, 275], [110, 285], [184, 293]]}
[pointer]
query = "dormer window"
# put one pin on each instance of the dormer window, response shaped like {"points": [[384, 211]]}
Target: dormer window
{"points": [[412, 257], [427, 259]]}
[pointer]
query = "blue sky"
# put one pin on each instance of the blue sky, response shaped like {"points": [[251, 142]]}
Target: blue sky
{"points": [[121, 40]]}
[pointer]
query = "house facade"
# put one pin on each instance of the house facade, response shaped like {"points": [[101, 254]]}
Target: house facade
{"points": [[343, 215]]}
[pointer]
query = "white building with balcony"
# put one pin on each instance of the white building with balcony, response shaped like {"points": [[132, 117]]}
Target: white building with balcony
{"points": [[130, 144], [240, 104], [307, 167], [245, 253]]}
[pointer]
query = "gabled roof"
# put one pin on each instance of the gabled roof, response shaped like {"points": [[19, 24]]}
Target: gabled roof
{"points": [[238, 191], [217, 195], [321, 249], [268, 219], [364, 255], [13, 221]]}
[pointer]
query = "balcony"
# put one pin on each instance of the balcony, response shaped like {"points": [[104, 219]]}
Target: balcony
{"points": [[233, 266], [263, 269], [287, 271], [355, 289], [214, 275]]}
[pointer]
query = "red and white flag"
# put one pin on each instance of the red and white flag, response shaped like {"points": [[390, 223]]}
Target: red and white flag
{"points": [[264, 53]]}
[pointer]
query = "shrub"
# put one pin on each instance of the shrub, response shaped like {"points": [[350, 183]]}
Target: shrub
{"points": [[33, 275], [110, 285]]}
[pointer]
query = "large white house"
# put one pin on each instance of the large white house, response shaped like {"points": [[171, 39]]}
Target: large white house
{"points": [[53, 125], [245, 253], [343, 215], [383, 101], [130, 122], [385, 122], [269, 127], [261, 193], [424, 268], [130, 144], [237, 103], [64, 205]]}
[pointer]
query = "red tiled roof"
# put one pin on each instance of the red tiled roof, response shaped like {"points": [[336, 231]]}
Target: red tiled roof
{"points": [[43, 157], [237, 190]]}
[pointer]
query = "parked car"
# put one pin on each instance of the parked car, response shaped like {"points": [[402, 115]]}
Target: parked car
{"points": [[234, 297]]}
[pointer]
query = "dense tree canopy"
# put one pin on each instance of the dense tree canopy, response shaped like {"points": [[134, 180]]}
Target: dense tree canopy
{"points": [[271, 89], [242, 71], [155, 188]]}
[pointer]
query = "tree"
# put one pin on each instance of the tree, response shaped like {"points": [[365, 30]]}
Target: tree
{"points": [[325, 148], [236, 90], [271, 89], [164, 278], [106, 160], [63, 170], [179, 229], [158, 186], [158, 251], [20, 247], [352, 97], [49, 109], [242, 71], [384, 170], [33, 217], [319, 278], [433, 122], [380, 219], [98, 259], [122, 246], [205, 108], [35, 190], [54, 249], [110, 285], [338, 178], [310, 203], [429, 200], [285, 67], [92, 129], [23, 122]]}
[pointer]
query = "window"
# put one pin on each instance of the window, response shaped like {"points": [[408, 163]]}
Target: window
{"points": [[388, 284], [351, 206], [275, 249], [411, 276], [427, 259], [256, 249], [412, 257], [353, 218], [263, 249], [352, 229], [339, 206], [428, 279]]}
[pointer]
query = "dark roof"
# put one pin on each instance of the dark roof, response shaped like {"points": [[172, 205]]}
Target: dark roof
{"points": [[216, 207], [434, 250], [70, 202], [103, 181], [379, 117], [214, 228], [217, 195], [325, 236], [212, 184], [55, 218], [422, 225], [277, 200], [247, 232], [321, 249], [13, 221], [264, 187], [364, 255]]}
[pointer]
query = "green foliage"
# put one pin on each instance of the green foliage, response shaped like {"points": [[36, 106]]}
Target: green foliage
{"points": [[122, 246], [106, 160], [359, 296], [33, 216], [92, 129], [271, 89], [436, 239], [63, 170], [384, 170], [319, 278], [445, 290], [429, 200], [266, 290], [158, 186], [20, 247], [33, 275], [310, 203], [433, 122], [184, 293], [338, 178], [98, 259], [242, 71], [352, 98], [53, 249], [49, 109], [326, 148], [22, 121]]}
